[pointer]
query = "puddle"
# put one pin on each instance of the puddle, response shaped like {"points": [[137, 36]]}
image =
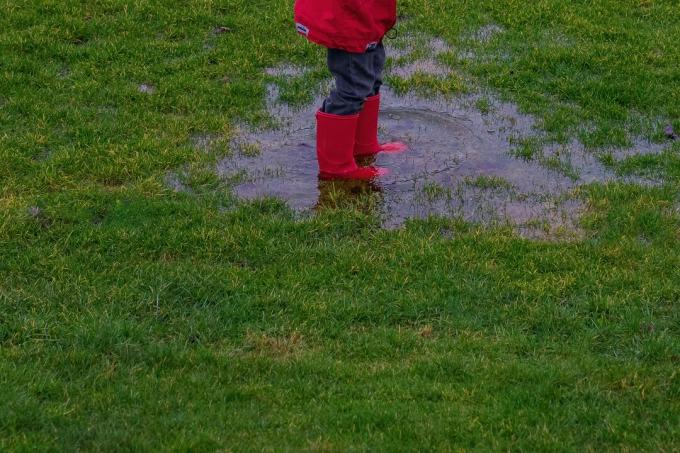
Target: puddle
{"points": [[459, 165], [439, 46], [460, 162]]}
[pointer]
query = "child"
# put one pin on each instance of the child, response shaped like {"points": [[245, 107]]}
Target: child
{"points": [[347, 123]]}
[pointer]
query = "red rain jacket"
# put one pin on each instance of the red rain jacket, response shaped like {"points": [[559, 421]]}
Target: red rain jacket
{"points": [[351, 25]]}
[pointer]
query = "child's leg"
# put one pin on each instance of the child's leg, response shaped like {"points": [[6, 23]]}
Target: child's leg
{"points": [[337, 121], [355, 79], [366, 137]]}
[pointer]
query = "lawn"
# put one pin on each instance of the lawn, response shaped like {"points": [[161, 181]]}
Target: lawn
{"points": [[135, 317]]}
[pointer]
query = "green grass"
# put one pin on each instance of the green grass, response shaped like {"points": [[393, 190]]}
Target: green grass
{"points": [[665, 166], [489, 183], [136, 318]]}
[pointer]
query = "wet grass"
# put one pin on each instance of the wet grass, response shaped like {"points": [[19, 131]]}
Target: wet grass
{"points": [[664, 166], [136, 317], [489, 183]]}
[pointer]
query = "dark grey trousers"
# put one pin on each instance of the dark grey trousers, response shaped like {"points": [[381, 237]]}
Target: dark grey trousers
{"points": [[357, 76]]}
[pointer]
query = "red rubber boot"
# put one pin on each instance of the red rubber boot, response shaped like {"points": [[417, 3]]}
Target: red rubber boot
{"points": [[334, 148], [366, 141]]}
